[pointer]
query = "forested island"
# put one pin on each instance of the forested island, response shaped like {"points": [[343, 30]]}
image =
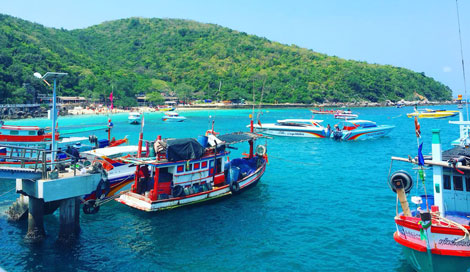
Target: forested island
{"points": [[192, 60]]}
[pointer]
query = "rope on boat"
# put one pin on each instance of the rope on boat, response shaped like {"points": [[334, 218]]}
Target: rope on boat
{"points": [[439, 218], [8, 191]]}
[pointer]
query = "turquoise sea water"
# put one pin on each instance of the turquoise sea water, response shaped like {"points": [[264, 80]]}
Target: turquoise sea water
{"points": [[321, 206]]}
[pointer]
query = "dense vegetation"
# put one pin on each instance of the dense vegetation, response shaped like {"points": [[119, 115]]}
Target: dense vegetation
{"points": [[143, 56]]}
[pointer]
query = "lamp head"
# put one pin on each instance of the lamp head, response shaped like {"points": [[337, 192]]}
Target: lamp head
{"points": [[38, 75]]}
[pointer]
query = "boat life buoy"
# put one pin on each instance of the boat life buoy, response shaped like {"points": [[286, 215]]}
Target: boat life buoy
{"points": [[90, 207], [401, 179], [234, 187], [261, 150]]}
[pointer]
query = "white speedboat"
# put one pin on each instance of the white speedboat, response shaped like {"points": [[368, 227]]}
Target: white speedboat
{"points": [[172, 116], [347, 115], [359, 130], [134, 118], [294, 128]]}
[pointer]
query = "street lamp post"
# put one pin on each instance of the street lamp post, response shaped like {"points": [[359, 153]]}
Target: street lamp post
{"points": [[55, 76]]}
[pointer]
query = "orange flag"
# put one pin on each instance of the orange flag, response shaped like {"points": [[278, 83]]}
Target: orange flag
{"points": [[417, 128], [259, 123]]}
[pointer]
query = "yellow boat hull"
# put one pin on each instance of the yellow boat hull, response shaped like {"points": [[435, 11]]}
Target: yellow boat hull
{"points": [[433, 114]]}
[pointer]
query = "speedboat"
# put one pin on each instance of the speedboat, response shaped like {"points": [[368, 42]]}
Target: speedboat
{"points": [[119, 173], [173, 116], [347, 115], [294, 128], [433, 229], [435, 114], [186, 172], [134, 118], [350, 130]]}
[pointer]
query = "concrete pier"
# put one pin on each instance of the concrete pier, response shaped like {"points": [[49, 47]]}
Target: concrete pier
{"points": [[36, 231], [69, 219]]}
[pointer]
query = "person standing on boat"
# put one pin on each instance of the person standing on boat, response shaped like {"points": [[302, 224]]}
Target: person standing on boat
{"points": [[328, 130]]}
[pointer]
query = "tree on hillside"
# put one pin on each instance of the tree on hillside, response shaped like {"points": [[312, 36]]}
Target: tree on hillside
{"points": [[184, 92], [155, 98]]}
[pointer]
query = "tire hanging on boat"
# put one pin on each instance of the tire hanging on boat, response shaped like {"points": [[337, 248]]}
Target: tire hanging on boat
{"points": [[90, 207], [234, 187], [401, 179]]}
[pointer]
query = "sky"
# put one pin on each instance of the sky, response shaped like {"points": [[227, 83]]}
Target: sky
{"points": [[420, 35]]}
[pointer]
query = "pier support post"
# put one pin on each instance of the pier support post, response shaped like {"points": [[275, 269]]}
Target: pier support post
{"points": [[36, 231], [69, 219]]}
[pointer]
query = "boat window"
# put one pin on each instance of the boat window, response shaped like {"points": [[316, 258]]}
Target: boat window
{"points": [[32, 133], [467, 184], [458, 183], [13, 132], [447, 182]]}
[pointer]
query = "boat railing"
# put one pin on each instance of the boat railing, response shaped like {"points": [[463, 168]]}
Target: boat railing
{"points": [[34, 158]]}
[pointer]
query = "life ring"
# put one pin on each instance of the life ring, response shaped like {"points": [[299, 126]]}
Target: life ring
{"points": [[401, 180], [90, 207], [234, 187], [261, 150]]}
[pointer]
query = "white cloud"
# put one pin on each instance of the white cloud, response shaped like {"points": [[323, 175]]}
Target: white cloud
{"points": [[446, 69]]}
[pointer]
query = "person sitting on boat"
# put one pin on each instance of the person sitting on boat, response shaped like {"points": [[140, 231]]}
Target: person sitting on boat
{"points": [[328, 130], [144, 176]]}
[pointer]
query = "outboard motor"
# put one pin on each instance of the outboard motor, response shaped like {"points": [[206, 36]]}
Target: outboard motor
{"points": [[337, 135]]}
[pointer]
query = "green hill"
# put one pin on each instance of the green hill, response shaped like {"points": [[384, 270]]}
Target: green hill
{"points": [[136, 56]]}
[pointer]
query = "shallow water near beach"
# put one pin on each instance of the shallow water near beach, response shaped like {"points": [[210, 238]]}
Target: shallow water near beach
{"points": [[321, 205]]}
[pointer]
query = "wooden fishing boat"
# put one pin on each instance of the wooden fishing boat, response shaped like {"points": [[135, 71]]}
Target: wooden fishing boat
{"points": [[186, 171], [322, 111], [434, 231]]}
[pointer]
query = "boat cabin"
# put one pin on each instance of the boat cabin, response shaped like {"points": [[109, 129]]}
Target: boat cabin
{"points": [[299, 122], [354, 124]]}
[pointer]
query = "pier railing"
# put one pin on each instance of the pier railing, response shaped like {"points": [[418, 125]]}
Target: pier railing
{"points": [[26, 157]]}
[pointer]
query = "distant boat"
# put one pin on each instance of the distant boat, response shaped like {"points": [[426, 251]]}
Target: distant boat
{"points": [[165, 108], [400, 105], [134, 118], [172, 116], [347, 114], [435, 114], [294, 128], [322, 111], [360, 130]]}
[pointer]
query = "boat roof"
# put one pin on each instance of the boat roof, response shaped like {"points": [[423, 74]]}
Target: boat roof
{"points": [[109, 151], [171, 113], [239, 137], [20, 127], [134, 113], [299, 121]]}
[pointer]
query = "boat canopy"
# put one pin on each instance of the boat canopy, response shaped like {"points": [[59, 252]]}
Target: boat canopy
{"points": [[239, 137], [9, 127], [358, 123], [183, 149]]}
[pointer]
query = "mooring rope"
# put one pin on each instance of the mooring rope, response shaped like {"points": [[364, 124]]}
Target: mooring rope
{"points": [[8, 191], [449, 222]]}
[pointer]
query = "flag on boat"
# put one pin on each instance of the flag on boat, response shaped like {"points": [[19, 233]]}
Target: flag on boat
{"points": [[259, 123], [417, 128], [420, 155], [111, 99]]}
